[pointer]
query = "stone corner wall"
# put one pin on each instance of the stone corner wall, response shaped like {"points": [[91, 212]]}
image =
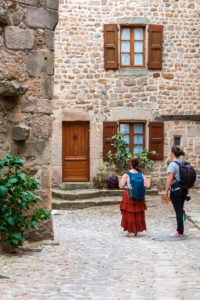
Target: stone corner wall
{"points": [[26, 89]]}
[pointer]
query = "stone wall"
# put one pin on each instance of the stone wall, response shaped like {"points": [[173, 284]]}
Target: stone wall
{"points": [[189, 131], [82, 84], [26, 88]]}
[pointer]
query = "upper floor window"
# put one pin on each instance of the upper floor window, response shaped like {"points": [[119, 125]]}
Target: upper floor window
{"points": [[132, 44], [132, 51]]}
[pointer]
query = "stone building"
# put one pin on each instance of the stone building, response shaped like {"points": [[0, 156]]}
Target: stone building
{"points": [[120, 65], [26, 89], [125, 65]]}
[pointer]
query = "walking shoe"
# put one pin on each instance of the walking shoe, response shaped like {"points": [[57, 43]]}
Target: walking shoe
{"points": [[176, 234]]}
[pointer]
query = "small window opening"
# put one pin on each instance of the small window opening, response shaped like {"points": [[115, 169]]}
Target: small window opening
{"points": [[177, 140]]}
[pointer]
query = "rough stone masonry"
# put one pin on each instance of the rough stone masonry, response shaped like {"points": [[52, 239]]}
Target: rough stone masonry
{"points": [[26, 89], [90, 93]]}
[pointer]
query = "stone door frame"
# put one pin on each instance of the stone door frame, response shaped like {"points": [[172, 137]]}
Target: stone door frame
{"points": [[79, 159], [95, 141]]}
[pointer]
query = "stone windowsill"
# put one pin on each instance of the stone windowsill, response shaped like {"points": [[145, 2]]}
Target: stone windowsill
{"points": [[132, 72]]}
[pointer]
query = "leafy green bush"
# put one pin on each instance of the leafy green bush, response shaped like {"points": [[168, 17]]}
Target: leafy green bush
{"points": [[145, 163], [16, 199], [122, 156]]}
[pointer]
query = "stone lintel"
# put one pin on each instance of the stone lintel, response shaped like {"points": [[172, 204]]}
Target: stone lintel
{"points": [[124, 114], [133, 20], [75, 115], [166, 118]]}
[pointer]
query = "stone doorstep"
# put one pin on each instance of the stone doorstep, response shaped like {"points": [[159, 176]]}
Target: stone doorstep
{"points": [[91, 193], [86, 203], [73, 205], [76, 185]]}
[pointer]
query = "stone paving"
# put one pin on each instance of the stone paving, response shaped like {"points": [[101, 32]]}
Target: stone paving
{"points": [[95, 260]]}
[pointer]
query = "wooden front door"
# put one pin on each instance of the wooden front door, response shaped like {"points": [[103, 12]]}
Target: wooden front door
{"points": [[75, 151]]}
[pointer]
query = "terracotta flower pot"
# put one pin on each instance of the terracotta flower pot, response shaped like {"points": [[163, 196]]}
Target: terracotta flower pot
{"points": [[100, 187]]}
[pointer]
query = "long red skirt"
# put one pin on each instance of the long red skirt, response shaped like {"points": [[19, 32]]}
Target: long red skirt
{"points": [[133, 214]]}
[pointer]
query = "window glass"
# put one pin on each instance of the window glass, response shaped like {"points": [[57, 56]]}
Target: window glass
{"points": [[138, 47], [177, 141], [138, 59], [133, 136], [138, 128], [138, 139], [138, 33], [126, 46], [132, 47], [137, 149], [125, 128], [125, 59], [126, 138], [125, 34]]}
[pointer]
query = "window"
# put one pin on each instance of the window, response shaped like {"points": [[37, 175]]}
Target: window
{"points": [[177, 141], [132, 45], [134, 135], [132, 49]]}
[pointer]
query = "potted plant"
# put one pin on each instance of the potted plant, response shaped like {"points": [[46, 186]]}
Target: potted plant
{"points": [[17, 197], [112, 182], [99, 179], [122, 156]]}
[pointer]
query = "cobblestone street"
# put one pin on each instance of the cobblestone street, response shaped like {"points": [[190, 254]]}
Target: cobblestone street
{"points": [[95, 260]]}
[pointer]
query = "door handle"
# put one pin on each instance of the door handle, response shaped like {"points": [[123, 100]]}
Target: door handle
{"points": [[87, 150]]}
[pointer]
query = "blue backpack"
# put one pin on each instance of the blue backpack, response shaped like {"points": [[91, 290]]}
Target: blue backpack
{"points": [[137, 188]]}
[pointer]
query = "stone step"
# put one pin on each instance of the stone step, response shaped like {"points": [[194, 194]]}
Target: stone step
{"points": [[84, 203], [82, 194], [68, 186]]}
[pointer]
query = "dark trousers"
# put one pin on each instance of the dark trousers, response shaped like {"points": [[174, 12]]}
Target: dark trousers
{"points": [[178, 199]]}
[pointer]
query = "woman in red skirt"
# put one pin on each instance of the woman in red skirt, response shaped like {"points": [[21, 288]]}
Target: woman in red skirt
{"points": [[133, 211]]}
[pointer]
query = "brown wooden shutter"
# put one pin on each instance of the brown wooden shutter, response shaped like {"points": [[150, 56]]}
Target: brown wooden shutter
{"points": [[110, 46], [155, 46], [156, 140], [109, 130]]}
